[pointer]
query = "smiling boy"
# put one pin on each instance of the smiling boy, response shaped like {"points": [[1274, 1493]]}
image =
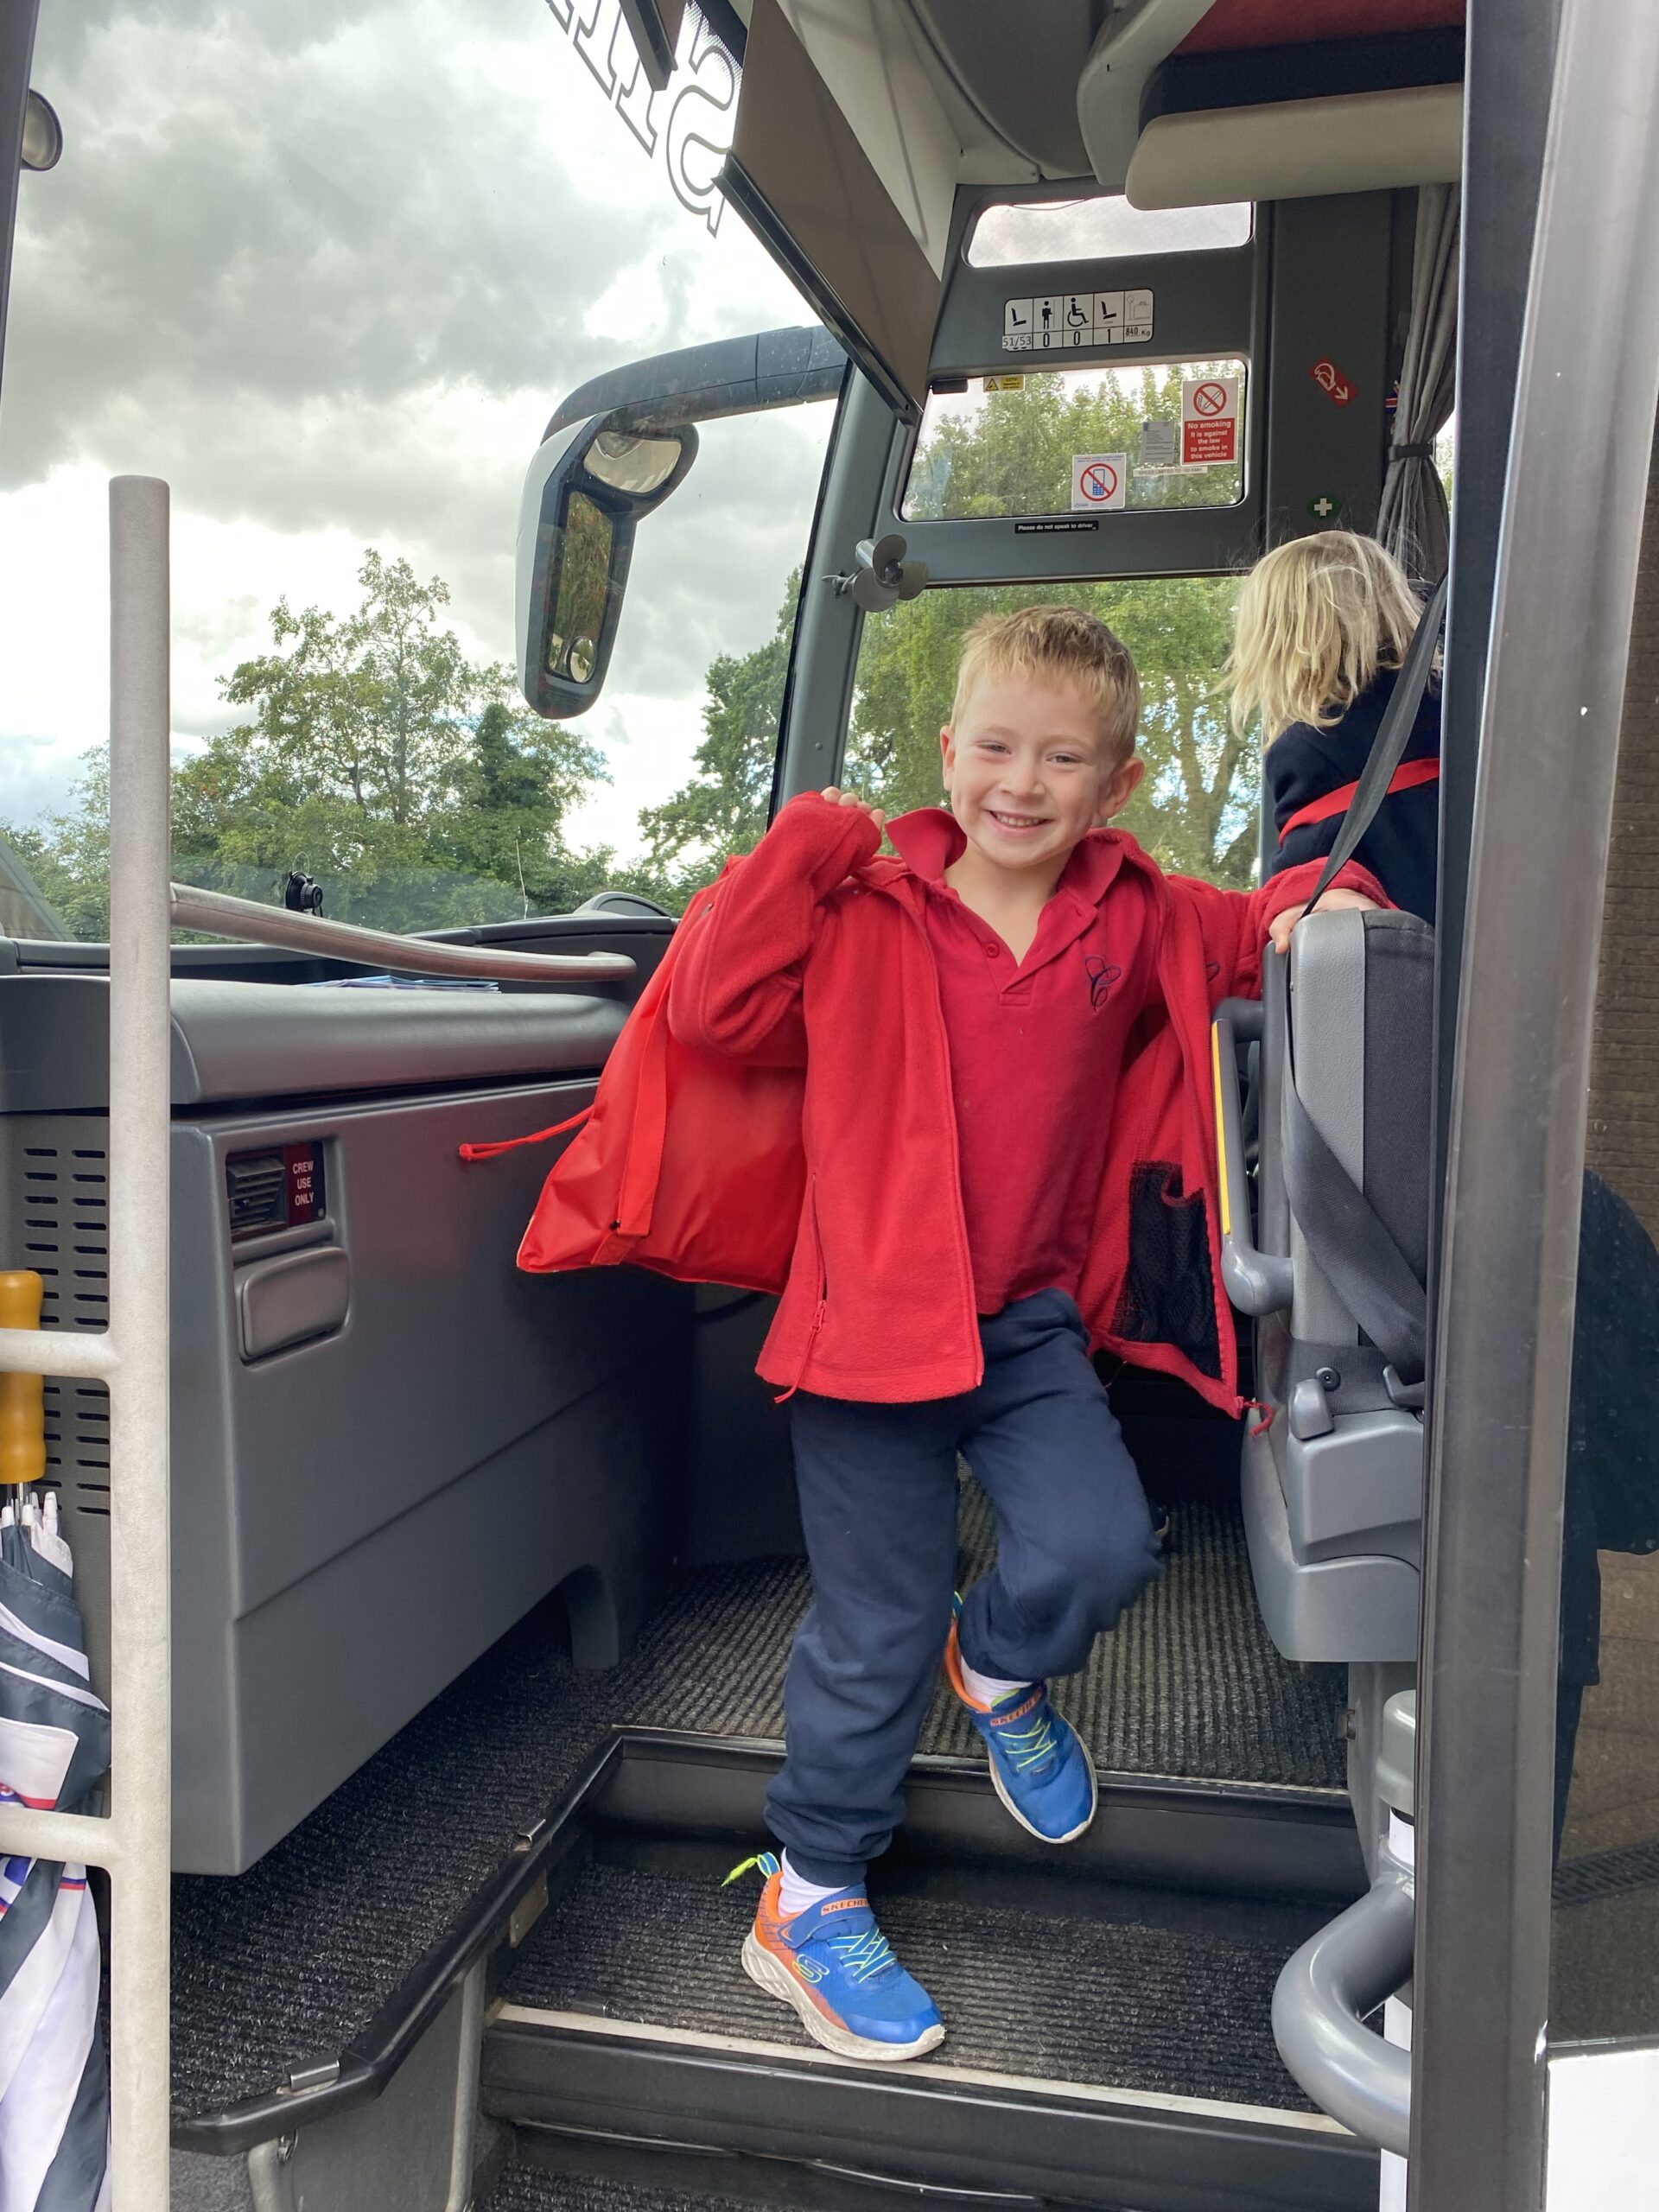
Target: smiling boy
{"points": [[1003, 1035]]}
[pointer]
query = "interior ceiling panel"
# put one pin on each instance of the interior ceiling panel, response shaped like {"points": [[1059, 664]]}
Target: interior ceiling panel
{"points": [[1018, 69], [1233, 24]]}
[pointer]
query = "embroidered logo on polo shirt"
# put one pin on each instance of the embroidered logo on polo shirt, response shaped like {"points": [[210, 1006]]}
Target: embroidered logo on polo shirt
{"points": [[1102, 976]]}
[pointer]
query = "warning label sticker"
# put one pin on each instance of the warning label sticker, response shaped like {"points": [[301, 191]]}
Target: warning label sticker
{"points": [[1209, 420], [1066, 322], [1100, 479]]}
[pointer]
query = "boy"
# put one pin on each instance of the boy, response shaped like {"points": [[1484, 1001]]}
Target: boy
{"points": [[1005, 1127]]}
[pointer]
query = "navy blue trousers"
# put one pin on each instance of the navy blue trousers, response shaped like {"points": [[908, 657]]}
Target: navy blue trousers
{"points": [[877, 1492]]}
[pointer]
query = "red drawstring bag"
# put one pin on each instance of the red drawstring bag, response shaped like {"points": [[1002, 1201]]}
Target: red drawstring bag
{"points": [[687, 1162]]}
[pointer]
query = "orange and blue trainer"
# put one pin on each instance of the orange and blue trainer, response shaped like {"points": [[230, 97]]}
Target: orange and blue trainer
{"points": [[834, 1965], [1039, 1766]]}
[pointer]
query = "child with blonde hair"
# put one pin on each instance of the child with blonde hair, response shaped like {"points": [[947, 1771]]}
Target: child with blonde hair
{"points": [[1322, 628], [1003, 1034], [952, 1102]]}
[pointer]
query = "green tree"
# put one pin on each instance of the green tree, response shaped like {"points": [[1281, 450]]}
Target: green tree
{"points": [[382, 762], [722, 810], [69, 855]]}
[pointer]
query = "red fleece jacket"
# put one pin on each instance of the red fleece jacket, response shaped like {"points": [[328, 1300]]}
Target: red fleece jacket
{"points": [[789, 1125]]}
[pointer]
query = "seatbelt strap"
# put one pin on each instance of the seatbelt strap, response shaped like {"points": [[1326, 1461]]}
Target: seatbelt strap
{"points": [[1393, 734], [1410, 776]]}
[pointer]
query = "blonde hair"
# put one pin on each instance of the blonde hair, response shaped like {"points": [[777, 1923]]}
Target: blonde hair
{"points": [[1317, 618], [1058, 644]]}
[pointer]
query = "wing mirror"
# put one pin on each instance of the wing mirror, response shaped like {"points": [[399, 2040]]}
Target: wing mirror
{"points": [[585, 490]]}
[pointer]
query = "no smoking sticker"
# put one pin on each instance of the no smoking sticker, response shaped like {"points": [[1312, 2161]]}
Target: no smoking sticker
{"points": [[1209, 420], [1100, 479]]}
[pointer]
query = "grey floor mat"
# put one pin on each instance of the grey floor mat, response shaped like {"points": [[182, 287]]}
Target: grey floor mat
{"points": [[1188, 1683], [1144, 1993], [529, 2188], [288, 1962]]}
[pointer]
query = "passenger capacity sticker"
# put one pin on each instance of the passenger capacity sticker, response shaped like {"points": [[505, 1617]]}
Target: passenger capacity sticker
{"points": [[1209, 420], [1099, 480], [1067, 322]]}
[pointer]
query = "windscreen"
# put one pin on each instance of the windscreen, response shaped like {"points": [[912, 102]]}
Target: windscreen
{"points": [[328, 274]]}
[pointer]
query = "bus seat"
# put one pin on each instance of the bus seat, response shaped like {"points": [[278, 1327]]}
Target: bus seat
{"points": [[1333, 1477]]}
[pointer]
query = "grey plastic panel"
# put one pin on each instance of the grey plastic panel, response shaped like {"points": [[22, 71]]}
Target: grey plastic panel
{"points": [[357, 1517], [1330, 272], [1370, 1684], [1359, 1487], [238, 1040], [1362, 1607], [1333, 1486]]}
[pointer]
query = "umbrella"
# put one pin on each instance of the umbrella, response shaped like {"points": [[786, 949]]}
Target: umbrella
{"points": [[54, 1747]]}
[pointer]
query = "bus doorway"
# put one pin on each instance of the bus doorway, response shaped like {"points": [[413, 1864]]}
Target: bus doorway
{"points": [[465, 1747]]}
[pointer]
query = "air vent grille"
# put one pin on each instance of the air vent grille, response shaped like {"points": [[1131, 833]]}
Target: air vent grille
{"points": [[64, 1193], [255, 1183], [65, 1198]]}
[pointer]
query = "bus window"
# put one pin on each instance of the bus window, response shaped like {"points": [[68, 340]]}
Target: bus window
{"points": [[1196, 810], [1030, 231], [1011, 444], [1604, 1958], [340, 365]]}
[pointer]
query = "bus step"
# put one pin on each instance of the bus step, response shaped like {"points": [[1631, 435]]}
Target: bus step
{"points": [[1106, 2006]]}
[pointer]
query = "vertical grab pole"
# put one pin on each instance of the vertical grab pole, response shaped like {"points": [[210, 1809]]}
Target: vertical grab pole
{"points": [[141, 1711]]}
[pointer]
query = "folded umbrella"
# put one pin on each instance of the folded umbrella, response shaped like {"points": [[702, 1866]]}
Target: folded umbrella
{"points": [[54, 1748]]}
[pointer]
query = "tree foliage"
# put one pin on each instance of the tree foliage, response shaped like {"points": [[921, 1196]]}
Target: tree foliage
{"points": [[722, 810], [378, 759], [69, 855]]}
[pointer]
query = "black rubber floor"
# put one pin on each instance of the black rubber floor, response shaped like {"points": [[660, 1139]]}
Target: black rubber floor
{"points": [[288, 1962], [1142, 1990]]}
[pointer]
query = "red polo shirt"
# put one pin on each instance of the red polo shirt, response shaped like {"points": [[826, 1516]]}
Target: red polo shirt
{"points": [[1036, 1049]]}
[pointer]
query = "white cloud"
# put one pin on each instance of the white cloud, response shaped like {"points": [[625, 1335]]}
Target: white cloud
{"points": [[328, 267]]}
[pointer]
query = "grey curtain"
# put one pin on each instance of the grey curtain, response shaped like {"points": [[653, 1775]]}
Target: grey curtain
{"points": [[1412, 521]]}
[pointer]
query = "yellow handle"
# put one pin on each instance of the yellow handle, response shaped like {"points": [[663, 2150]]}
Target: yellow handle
{"points": [[22, 1409]]}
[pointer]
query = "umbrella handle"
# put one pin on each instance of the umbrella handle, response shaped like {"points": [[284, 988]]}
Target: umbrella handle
{"points": [[22, 1404]]}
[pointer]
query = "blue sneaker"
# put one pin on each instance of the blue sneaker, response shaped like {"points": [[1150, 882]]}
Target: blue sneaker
{"points": [[1040, 1768], [833, 1964]]}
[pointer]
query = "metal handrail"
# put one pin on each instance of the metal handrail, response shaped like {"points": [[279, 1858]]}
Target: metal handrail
{"points": [[135, 1841], [1319, 2006], [247, 920]]}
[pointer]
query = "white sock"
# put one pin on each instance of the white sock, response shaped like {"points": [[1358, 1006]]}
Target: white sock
{"points": [[795, 1894], [989, 1689]]}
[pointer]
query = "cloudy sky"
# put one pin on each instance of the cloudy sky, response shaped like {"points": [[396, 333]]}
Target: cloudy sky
{"points": [[327, 266]]}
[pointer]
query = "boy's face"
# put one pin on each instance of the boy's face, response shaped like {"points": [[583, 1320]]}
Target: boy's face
{"points": [[1027, 774]]}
